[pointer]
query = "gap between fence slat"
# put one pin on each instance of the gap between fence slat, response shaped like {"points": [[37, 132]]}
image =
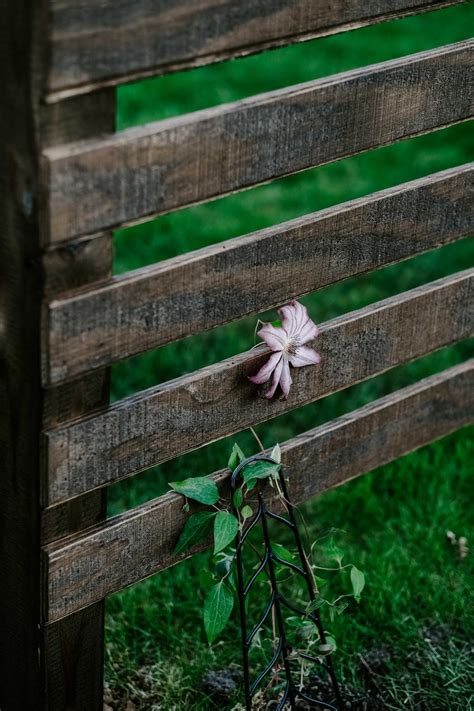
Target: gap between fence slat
{"points": [[134, 545], [197, 291], [142, 172], [91, 45], [209, 404]]}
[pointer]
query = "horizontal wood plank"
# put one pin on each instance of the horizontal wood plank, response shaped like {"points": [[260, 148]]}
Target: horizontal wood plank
{"points": [[191, 411], [93, 44], [150, 307], [134, 545], [141, 172]]}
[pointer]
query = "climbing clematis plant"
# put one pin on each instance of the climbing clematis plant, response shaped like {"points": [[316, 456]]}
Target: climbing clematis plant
{"points": [[218, 518], [288, 343]]}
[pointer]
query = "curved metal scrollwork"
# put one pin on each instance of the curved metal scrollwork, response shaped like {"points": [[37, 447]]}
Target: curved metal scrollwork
{"points": [[277, 602]]}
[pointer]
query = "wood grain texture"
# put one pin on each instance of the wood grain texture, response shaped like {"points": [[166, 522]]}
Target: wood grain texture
{"points": [[141, 172], [62, 669], [134, 545], [72, 650], [186, 413], [92, 44], [180, 297], [20, 383]]}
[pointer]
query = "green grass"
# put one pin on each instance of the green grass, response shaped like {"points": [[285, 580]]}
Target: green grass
{"points": [[396, 517]]}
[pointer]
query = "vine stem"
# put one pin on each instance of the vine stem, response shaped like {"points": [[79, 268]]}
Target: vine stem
{"points": [[259, 441]]}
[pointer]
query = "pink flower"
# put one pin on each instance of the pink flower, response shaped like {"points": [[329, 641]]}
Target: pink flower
{"points": [[288, 345]]}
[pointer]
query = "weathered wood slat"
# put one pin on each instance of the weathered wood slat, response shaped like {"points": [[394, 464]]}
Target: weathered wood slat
{"points": [[141, 172], [72, 652], [112, 42], [182, 296], [186, 413], [73, 649], [134, 545], [60, 667]]}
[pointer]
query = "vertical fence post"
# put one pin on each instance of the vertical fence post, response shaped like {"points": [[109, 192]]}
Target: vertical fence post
{"points": [[60, 667]]}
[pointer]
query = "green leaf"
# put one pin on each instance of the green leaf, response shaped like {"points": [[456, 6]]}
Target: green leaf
{"points": [[223, 566], [358, 582], [246, 512], [236, 456], [259, 470], [225, 530], [304, 628], [294, 621], [196, 529], [283, 552], [217, 608], [199, 488], [238, 498], [329, 647], [315, 604], [334, 553], [276, 453]]}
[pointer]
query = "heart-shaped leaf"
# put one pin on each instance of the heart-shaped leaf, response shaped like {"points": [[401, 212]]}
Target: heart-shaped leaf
{"points": [[196, 529], [217, 608], [199, 488], [283, 552], [238, 498], [259, 470], [225, 530], [236, 456], [358, 582], [246, 512], [276, 453]]}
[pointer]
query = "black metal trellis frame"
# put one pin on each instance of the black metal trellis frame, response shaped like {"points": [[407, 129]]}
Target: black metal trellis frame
{"points": [[277, 601]]}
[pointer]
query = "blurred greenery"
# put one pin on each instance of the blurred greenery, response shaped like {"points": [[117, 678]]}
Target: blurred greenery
{"points": [[395, 518]]}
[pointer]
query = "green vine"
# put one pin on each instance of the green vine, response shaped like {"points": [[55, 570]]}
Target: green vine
{"points": [[219, 582]]}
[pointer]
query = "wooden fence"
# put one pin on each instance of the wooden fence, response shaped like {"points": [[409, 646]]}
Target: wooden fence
{"points": [[68, 179]]}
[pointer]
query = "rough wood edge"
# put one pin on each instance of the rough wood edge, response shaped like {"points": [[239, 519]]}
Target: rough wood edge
{"points": [[190, 411], [116, 299], [54, 95], [134, 545], [67, 165], [62, 667]]}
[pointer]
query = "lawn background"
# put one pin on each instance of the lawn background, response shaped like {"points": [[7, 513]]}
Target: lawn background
{"points": [[396, 517]]}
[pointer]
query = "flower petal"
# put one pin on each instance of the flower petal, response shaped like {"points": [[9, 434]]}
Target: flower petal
{"points": [[276, 379], [308, 332], [290, 317], [297, 323], [304, 356], [285, 378], [275, 338], [301, 315], [266, 370]]}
